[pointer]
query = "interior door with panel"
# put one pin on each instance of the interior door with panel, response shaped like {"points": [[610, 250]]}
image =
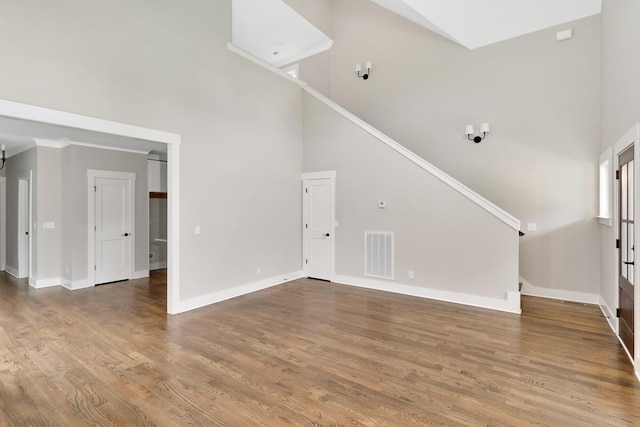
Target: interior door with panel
{"points": [[318, 228], [112, 230], [626, 246]]}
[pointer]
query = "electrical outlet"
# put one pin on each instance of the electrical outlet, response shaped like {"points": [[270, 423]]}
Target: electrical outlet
{"points": [[411, 275], [258, 270], [152, 255]]}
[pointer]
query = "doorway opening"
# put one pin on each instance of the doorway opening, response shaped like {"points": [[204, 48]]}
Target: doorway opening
{"points": [[83, 125]]}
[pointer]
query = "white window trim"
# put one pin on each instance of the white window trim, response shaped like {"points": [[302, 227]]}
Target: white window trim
{"points": [[605, 189]]}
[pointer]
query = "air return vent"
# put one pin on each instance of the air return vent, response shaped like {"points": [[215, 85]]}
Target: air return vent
{"points": [[378, 254]]}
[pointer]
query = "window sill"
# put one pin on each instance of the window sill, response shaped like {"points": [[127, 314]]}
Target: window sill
{"points": [[605, 221]]}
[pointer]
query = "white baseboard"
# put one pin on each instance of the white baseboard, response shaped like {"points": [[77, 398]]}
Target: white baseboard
{"points": [[140, 274], [560, 294], [609, 315], [157, 265], [45, 283], [12, 271], [511, 304], [214, 297], [80, 284]]}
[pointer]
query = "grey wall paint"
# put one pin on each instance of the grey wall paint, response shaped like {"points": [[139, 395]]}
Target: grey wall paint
{"points": [[620, 68], [541, 99], [620, 107], [49, 210], [18, 164], [85, 158], [165, 65], [449, 242]]}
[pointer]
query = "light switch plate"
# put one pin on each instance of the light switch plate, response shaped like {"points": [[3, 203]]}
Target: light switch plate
{"points": [[531, 226]]}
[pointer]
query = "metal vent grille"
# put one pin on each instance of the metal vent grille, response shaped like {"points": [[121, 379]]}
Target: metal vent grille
{"points": [[378, 254]]}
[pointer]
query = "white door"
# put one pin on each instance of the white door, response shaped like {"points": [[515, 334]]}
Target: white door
{"points": [[318, 227], [112, 230], [24, 221]]}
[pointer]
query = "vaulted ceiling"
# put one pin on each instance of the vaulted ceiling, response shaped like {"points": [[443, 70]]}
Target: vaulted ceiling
{"points": [[477, 23], [277, 34]]}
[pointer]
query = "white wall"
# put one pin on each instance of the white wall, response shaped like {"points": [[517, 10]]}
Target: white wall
{"points": [[541, 98], [165, 65], [450, 243], [620, 106]]}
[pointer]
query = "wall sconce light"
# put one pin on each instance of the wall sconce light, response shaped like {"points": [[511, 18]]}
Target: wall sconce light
{"points": [[3, 157], [484, 130], [367, 67]]}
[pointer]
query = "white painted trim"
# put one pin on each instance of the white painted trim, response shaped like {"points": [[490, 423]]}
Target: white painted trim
{"points": [[173, 229], [559, 294], [130, 177], [140, 274], [27, 176], [66, 142], [3, 223], [237, 291], [45, 283], [631, 137], [307, 53], [606, 156], [18, 110], [510, 305], [496, 211], [331, 176], [13, 271], [80, 284], [33, 113], [609, 315]]}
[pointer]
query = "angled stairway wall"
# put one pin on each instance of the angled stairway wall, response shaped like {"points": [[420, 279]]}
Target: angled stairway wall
{"points": [[460, 247]]}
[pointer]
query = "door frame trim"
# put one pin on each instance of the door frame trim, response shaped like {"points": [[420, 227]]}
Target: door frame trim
{"points": [[631, 137], [3, 223], [130, 177], [27, 176], [331, 175], [20, 111]]}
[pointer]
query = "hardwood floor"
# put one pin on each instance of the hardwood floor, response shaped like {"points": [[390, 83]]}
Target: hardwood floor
{"points": [[304, 353]]}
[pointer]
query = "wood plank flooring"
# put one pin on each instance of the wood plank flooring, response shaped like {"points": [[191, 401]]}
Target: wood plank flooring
{"points": [[306, 353]]}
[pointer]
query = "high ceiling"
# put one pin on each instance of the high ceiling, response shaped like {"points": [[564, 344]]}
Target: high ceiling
{"points": [[477, 23], [274, 32]]}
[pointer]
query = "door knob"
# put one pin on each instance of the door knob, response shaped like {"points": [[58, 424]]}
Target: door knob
{"points": [[125, 234], [327, 234], [627, 262]]}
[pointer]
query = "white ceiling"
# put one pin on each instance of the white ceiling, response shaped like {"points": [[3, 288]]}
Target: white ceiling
{"points": [[20, 135], [274, 32], [477, 23], [264, 27]]}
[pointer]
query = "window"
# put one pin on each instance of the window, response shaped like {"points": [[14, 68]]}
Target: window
{"points": [[606, 188]]}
